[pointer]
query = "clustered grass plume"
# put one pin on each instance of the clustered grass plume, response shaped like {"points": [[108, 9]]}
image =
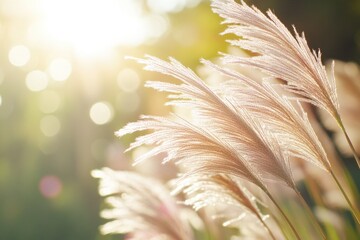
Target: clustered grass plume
{"points": [[141, 207], [281, 56], [239, 151]]}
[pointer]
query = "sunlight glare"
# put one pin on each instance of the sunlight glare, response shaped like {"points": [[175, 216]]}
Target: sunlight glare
{"points": [[92, 27], [154, 25], [165, 6]]}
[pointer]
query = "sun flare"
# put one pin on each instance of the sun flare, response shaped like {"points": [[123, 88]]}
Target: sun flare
{"points": [[91, 27]]}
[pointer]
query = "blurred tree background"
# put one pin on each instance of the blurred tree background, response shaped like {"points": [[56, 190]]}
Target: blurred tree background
{"points": [[65, 87]]}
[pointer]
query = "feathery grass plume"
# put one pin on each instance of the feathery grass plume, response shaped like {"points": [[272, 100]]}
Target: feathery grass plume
{"points": [[281, 55], [221, 189], [140, 207], [199, 151], [234, 128], [279, 118], [291, 127], [295, 130], [285, 57], [229, 141]]}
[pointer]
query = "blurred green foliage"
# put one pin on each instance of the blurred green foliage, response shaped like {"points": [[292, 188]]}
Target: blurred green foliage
{"points": [[27, 155]]}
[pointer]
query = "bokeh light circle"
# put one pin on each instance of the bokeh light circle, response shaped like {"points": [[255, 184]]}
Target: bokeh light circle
{"points": [[60, 69], [50, 186], [101, 113], [128, 80], [19, 55], [36, 81], [50, 125]]}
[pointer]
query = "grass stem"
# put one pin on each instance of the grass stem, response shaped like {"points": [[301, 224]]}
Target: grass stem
{"points": [[311, 214], [341, 125], [266, 227], [282, 213], [352, 207]]}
